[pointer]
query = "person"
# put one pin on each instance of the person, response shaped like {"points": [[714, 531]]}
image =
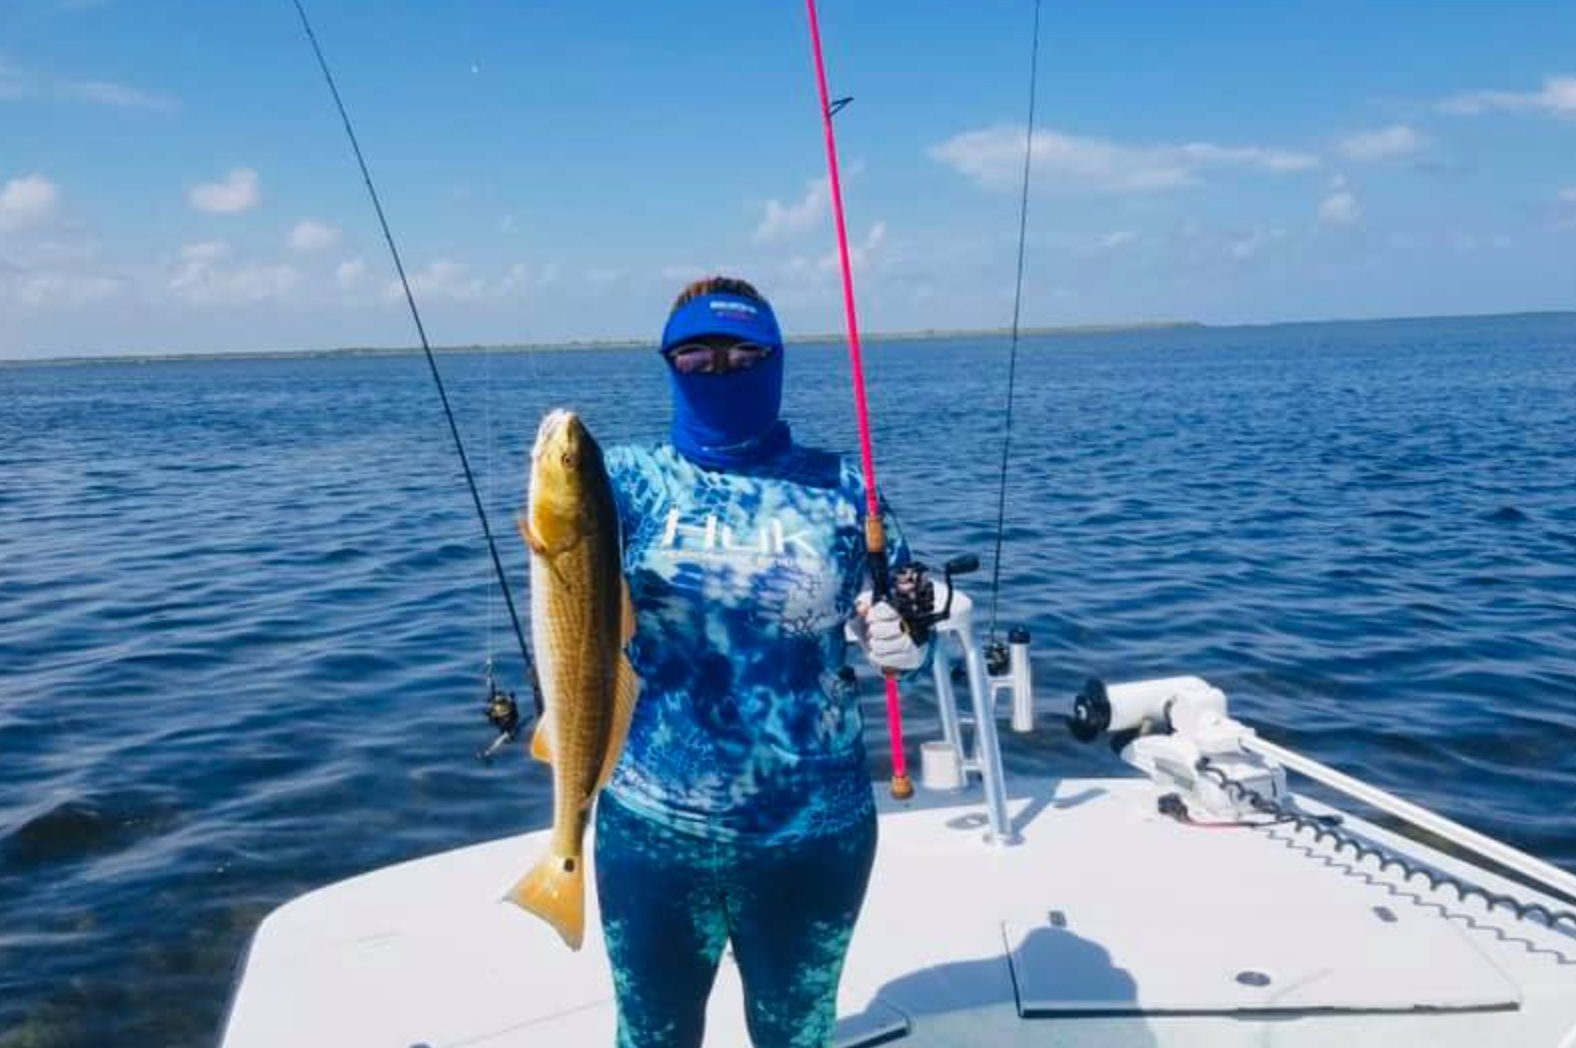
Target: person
{"points": [[741, 810]]}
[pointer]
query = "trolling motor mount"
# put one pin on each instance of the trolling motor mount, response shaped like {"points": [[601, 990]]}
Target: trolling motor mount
{"points": [[1173, 728]]}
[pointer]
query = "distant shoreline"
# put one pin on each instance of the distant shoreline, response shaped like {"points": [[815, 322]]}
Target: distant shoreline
{"points": [[575, 345]]}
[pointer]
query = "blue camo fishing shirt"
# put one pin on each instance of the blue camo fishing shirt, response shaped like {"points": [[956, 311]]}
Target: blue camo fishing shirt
{"points": [[742, 582]]}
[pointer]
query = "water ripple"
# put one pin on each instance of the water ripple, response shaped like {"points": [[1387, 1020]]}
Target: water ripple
{"points": [[244, 607]]}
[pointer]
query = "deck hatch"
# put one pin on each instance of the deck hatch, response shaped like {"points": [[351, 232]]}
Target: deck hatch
{"points": [[1152, 959]]}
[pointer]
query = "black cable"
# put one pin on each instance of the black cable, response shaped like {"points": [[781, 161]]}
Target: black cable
{"points": [[426, 348], [1017, 306]]}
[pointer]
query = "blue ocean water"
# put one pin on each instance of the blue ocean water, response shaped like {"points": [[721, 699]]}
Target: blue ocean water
{"points": [[244, 605]]}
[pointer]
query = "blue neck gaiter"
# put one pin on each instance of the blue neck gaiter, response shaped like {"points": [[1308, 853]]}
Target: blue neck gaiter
{"points": [[731, 419]]}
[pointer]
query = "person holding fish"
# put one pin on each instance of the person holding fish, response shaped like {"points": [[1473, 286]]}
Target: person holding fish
{"points": [[738, 806]]}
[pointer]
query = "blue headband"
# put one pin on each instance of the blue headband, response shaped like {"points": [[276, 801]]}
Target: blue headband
{"points": [[728, 420], [746, 319]]}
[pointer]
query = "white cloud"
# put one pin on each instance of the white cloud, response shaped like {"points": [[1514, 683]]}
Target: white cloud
{"points": [[71, 250], [518, 280], [1260, 157], [860, 255], [309, 236], [864, 254], [785, 220], [58, 268], [349, 272], [443, 279], [205, 284], [1568, 195], [17, 84], [106, 93], [205, 251], [447, 280], [1385, 143], [682, 273], [686, 272], [1340, 208], [1116, 240], [993, 157], [814, 278], [1251, 244], [506, 225], [239, 191], [66, 289], [1557, 98], [27, 201], [602, 276], [202, 278]]}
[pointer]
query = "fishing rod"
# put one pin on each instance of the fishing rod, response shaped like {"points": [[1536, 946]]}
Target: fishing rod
{"points": [[995, 652], [875, 531], [501, 710]]}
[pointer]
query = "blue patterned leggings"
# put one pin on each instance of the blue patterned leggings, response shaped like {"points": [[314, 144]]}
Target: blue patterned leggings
{"points": [[670, 901]]}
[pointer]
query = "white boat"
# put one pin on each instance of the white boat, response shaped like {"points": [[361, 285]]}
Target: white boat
{"points": [[1198, 903]]}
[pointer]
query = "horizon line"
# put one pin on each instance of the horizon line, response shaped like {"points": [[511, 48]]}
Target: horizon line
{"points": [[822, 338]]}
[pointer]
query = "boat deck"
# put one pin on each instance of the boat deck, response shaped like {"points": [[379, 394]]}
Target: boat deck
{"points": [[1110, 925]]}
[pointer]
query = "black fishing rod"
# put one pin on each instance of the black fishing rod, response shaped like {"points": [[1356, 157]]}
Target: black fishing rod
{"points": [[500, 706], [994, 649]]}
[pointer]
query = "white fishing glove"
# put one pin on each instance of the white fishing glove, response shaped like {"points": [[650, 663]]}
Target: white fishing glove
{"points": [[887, 645]]}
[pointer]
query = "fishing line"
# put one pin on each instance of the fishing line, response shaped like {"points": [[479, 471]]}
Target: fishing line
{"points": [[1017, 308], [490, 473], [426, 348]]}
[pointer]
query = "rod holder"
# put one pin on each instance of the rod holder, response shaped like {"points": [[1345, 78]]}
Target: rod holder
{"points": [[941, 766], [1022, 675]]}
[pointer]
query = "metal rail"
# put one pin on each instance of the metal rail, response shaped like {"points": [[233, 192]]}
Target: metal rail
{"points": [[1534, 869]]}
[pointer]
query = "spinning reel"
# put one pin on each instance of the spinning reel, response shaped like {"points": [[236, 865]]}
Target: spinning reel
{"points": [[913, 594], [503, 713]]}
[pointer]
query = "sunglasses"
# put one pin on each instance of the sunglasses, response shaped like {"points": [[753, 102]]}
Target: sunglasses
{"points": [[700, 358]]}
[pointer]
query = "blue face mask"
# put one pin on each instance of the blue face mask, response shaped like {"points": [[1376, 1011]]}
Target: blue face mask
{"points": [[729, 419]]}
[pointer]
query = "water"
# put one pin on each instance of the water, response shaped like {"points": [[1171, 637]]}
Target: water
{"points": [[244, 606]]}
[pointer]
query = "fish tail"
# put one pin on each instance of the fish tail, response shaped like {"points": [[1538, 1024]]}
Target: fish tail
{"points": [[555, 890]]}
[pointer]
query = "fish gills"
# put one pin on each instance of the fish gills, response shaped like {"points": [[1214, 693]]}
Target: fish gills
{"points": [[580, 621]]}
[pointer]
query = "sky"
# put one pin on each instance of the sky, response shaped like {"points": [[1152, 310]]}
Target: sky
{"points": [[173, 177]]}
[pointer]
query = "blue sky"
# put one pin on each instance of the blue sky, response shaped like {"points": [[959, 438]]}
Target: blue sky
{"points": [[173, 177]]}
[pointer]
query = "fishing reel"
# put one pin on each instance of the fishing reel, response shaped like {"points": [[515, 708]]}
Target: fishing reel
{"points": [[503, 713], [912, 594], [998, 658]]}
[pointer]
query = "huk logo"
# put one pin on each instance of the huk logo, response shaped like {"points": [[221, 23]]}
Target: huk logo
{"points": [[712, 536]]}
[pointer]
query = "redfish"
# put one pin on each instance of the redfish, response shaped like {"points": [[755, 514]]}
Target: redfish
{"points": [[581, 619]]}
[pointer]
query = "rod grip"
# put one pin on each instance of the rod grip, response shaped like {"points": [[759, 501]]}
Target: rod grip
{"points": [[875, 547]]}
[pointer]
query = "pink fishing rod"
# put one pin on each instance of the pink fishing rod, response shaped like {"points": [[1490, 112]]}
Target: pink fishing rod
{"points": [[875, 532]]}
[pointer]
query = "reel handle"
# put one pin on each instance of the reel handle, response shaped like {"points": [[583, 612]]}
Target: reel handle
{"points": [[914, 597]]}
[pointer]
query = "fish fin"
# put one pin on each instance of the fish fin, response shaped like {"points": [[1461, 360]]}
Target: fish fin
{"points": [[626, 631], [555, 890], [542, 741], [626, 689], [558, 573], [528, 533]]}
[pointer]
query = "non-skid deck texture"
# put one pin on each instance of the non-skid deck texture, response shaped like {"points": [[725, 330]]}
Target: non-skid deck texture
{"points": [[1109, 926]]}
